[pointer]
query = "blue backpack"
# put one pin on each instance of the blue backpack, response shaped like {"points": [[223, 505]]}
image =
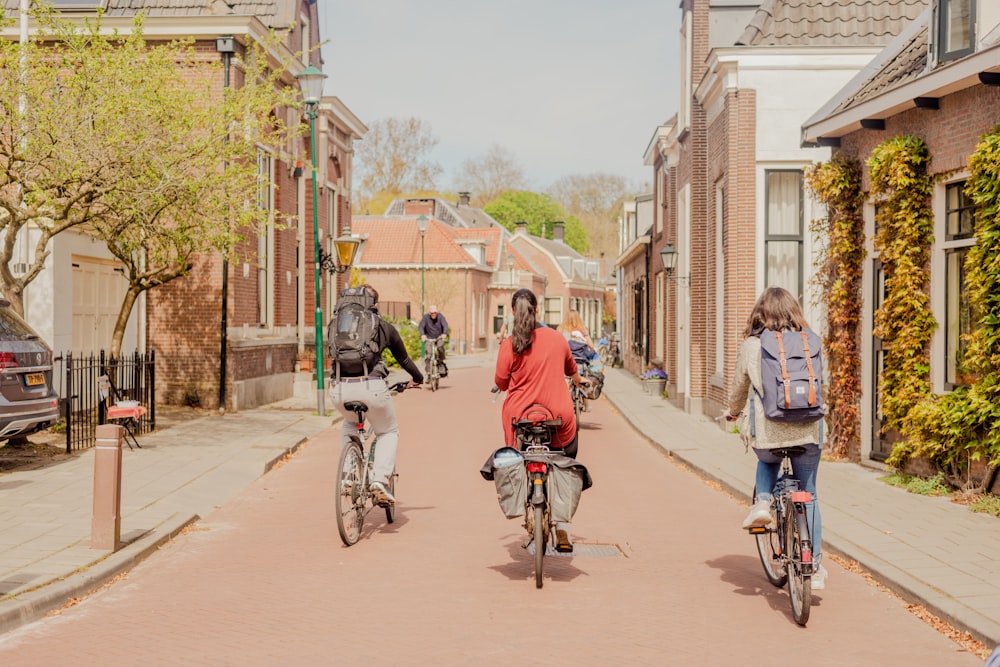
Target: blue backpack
{"points": [[791, 373]]}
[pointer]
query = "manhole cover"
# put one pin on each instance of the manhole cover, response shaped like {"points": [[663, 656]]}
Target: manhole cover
{"points": [[582, 550]]}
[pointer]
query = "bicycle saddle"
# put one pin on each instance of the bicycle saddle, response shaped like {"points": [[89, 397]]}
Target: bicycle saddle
{"points": [[790, 452], [355, 406]]}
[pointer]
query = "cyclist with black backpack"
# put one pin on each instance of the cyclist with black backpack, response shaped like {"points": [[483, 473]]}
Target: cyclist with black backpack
{"points": [[358, 335], [777, 402]]}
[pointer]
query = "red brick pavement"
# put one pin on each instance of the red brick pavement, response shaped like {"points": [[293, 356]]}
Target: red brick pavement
{"points": [[266, 581]]}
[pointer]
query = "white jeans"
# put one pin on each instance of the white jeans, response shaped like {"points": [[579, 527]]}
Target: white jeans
{"points": [[374, 393]]}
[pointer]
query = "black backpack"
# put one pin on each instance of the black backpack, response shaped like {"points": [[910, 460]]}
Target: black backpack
{"points": [[353, 330], [791, 369]]}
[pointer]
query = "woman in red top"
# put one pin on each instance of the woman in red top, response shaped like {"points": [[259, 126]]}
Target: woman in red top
{"points": [[532, 367]]}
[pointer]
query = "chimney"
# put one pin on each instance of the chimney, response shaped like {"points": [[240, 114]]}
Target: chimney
{"points": [[463, 198], [521, 227], [559, 231]]}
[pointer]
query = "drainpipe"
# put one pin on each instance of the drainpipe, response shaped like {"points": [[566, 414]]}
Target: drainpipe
{"points": [[226, 46]]}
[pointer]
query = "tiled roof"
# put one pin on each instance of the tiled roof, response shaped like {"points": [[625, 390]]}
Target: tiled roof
{"points": [[829, 22], [396, 241], [906, 61]]}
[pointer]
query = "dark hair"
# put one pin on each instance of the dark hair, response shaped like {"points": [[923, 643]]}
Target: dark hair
{"points": [[524, 304], [776, 309], [371, 290]]}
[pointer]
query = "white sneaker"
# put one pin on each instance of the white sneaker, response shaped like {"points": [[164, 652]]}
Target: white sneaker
{"points": [[759, 516], [382, 495], [819, 579]]}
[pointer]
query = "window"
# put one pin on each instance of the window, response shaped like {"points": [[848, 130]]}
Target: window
{"points": [[956, 28], [959, 318], [783, 231], [553, 311]]}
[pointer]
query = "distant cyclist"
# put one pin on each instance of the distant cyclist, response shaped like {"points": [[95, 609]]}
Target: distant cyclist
{"points": [[371, 388], [434, 325]]}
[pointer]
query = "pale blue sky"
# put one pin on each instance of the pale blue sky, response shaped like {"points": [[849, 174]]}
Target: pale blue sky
{"points": [[567, 86]]}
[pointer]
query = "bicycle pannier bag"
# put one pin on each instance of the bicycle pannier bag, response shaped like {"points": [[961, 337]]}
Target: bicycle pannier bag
{"points": [[791, 374], [353, 330]]}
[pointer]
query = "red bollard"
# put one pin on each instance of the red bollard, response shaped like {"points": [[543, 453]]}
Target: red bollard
{"points": [[106, 526]]}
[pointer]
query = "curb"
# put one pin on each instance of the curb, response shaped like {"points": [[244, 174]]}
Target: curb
{"points": [[36, 604]]}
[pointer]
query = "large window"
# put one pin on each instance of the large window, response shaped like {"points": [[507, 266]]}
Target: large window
{"points": [[956, 28], [959, 232], [783, 230]]}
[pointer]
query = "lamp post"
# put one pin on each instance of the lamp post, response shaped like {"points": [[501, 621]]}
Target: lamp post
{"points": [[422, 223], [311, 82]]}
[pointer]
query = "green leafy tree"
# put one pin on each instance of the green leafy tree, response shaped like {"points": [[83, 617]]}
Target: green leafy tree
{"points": [[134, 140], [539, 211]]}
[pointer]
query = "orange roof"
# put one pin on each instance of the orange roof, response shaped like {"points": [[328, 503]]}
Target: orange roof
{"points": [[397, 241]]}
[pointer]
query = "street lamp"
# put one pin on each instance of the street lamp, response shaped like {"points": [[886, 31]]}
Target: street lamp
{"points": [[422, 223], [311, 83], [668, 254]]}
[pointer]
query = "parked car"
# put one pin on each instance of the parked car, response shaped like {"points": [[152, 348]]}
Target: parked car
{"points": [[28, 402]]}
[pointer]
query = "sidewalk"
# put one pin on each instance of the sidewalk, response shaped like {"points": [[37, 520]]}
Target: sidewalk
{"points": [[929, 550]]}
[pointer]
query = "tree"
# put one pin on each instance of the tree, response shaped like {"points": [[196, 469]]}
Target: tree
{"points": [[490, 175], [133, 140], [596, 200], [539, 211], [394, 158]]}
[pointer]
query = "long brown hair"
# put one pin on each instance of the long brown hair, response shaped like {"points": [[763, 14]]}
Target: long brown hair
{"points": [[776, 309], [524, 303]]}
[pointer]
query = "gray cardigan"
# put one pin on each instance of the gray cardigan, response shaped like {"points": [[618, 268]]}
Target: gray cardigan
{"points": [[763, 433]]}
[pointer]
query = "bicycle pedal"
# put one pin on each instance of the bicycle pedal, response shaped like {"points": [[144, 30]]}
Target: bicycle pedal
{"points": [[757, 530]]}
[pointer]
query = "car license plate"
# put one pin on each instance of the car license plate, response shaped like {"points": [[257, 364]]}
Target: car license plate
{"points": [[32, 379]]}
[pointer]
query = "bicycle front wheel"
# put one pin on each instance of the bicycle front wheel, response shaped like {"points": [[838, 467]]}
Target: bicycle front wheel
{"points": [[350, 493], [799, 583]]}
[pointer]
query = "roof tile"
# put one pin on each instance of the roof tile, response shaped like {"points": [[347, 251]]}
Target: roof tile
{"points": [[829, 22]]}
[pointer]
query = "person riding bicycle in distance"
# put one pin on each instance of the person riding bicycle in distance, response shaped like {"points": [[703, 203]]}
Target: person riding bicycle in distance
{"points": [[776, 309], [371, 389], [532, 367], [434, 325]]}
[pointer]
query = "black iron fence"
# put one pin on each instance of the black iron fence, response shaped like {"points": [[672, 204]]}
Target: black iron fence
{"points": [[94, 382]]}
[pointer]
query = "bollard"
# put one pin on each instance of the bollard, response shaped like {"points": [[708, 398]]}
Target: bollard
{"points": [[106, 526]]}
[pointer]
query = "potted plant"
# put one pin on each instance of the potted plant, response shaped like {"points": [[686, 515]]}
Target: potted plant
{"points": [[655, 381]]}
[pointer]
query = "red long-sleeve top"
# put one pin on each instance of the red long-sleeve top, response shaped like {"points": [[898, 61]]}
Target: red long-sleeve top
{"points": [[537, 376]]}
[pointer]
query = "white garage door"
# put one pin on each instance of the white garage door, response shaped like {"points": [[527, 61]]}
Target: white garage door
{"points": [[98, 292]]}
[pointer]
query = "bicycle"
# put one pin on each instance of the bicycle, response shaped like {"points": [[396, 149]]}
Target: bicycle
{"points": [[579, 395], [432, 366], [785, 546], [533, 438], [354, 497]]}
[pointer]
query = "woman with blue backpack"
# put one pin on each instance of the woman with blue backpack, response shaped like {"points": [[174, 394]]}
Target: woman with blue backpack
{"points": [[776, 400]]}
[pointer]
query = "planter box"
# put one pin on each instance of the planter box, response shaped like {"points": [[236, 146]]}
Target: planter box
{"points": [[655, 386]]}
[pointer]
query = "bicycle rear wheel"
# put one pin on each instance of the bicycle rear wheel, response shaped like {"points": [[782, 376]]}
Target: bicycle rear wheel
{"points": [[799, 583], [390, 509], [539, 540], [350, 493]]}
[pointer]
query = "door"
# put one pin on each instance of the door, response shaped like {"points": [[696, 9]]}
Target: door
{"points": [[98, 291]]}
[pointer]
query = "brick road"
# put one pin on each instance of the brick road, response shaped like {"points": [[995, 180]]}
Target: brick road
{"points": [[265, 579]]}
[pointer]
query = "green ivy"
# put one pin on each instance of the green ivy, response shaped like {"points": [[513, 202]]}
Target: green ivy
{"points": [[901, 188], [964, 425], [837, 184]]}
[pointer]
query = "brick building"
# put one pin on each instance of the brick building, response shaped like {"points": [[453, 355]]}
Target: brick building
{"points": [[728, 200], [268, 291], [939, 81]]}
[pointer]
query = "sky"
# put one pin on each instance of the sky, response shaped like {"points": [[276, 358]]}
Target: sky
{"points": [[568, 87]]}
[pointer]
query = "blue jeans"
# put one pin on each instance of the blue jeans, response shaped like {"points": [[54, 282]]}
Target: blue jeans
{"points": [[804, 468]]}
